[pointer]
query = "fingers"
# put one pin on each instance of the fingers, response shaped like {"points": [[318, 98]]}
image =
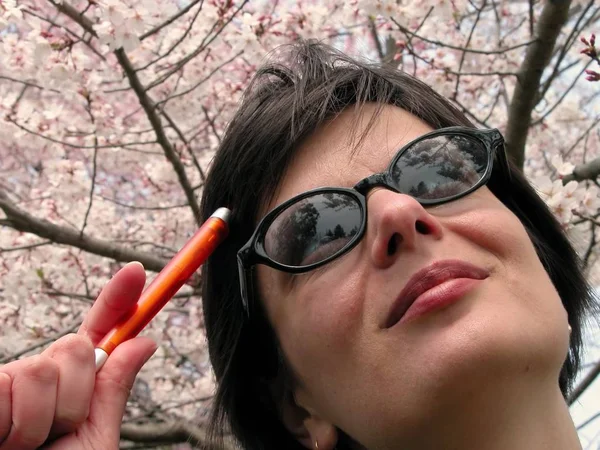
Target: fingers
{"points": [[117, 298], [114, 383], [48, 395], [33, 395], [5, 405], [74, 356]]}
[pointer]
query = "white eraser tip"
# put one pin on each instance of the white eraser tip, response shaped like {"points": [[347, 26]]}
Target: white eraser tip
{"points": [[101, 357]]}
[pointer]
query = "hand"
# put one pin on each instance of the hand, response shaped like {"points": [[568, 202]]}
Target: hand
{"points": [[57, 397]]}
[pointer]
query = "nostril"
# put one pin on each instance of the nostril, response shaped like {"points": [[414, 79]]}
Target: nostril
{"points": [[422, 227], [393, 244]]}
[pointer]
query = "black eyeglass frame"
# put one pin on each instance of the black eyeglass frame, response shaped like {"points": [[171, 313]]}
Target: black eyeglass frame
{"points": [[253, 252]]}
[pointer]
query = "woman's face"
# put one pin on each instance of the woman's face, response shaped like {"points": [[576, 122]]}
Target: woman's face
{"points": [[406, 384]]}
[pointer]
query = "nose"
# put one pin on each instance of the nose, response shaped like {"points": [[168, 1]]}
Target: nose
{"points": [[396, 222]]}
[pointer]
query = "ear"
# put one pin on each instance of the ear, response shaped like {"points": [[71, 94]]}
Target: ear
{"points": [[306, 424]]}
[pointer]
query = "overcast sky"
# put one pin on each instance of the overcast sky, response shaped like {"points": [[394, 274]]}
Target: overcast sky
{"points": [[589, 403]]}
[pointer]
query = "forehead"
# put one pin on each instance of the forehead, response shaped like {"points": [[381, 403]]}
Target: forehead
{"points": [[339, 153]]}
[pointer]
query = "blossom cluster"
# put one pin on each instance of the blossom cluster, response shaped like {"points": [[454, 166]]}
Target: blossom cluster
{"points": [[567, 199]]}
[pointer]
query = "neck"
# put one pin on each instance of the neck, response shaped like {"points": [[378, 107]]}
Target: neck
{"points": [[525, 422], [530, 418]]}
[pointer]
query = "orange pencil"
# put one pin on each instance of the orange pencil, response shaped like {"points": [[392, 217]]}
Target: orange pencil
{"points": [[167, 283]]}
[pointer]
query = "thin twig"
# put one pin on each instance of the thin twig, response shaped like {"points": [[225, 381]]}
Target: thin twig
{"points": [[68, 30], [583, 136], [24, 247], [531, 18], [562, 97], [464, 53], [199, 83], [170, 20], [591, 245], [208, 39], [564, 50], [94, 168], [375, 37], [28, 83], [211, 123], [455, 47], [68, 144], [588, 421], [47, 341], [146, 208], [176, 44], [186, 145]]}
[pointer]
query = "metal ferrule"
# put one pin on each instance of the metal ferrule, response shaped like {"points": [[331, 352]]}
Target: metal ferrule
{"points": [[222, 213]]}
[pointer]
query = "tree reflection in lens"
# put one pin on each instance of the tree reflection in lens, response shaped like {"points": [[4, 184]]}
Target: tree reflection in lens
{"points": [[288, 235], [440, 167], [313, 229]]}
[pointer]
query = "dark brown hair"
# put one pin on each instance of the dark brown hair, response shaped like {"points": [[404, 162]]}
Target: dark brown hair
{"points": [[286, 102]]}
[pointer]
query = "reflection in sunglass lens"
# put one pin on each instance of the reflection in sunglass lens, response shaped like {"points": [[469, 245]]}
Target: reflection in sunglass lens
{"points": [[440, 167], [313, 229]]}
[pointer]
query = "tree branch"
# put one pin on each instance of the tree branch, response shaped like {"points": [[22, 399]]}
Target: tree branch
{"points": [[161, 137], [22, 221], [148, 106], [170, 433], [584, 384], [76, 16], [587, 171], [588, 421], [538, 55]]}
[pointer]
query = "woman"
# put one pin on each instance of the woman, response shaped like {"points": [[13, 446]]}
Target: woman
{"points": [[422, 300], [320, 348]]}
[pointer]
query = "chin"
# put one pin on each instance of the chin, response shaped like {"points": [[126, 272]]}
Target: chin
{"points": [[494, 347]]}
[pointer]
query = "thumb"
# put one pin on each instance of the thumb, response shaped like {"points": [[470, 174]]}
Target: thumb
{"points": [[114, 382]]}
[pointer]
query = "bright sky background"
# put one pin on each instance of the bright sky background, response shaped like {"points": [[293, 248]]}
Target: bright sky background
{"points": [[589, 403]]}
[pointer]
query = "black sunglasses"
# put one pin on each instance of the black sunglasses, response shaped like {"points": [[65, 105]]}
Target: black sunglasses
{"points": [[315, 227]]}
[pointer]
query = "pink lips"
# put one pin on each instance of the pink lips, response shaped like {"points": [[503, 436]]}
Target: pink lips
{"points": [[430, 277]]}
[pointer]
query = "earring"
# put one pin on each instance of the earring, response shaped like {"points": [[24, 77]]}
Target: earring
{"points": [[316, 445], [570, 329]]}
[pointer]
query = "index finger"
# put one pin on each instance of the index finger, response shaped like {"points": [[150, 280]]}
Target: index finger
{"points": [[117, 298]]}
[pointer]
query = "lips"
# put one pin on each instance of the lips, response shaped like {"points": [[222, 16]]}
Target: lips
{"points": [[427, 278]]}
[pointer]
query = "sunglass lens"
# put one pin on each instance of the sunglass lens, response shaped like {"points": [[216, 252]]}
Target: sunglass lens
{"points": [[441, 167], [313, 229]]}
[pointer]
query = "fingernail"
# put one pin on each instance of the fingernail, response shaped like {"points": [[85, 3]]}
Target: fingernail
{"points": [[135, 263]]}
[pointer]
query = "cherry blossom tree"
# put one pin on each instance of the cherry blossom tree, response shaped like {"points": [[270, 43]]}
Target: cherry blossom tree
{"points": [[111, 111]]}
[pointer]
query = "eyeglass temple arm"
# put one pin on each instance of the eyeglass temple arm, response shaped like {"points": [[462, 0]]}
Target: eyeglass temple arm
{"points": [[499, 145], [245, 280]]}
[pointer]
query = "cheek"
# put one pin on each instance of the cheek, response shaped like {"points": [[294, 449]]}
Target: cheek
{"points": [[324, 317], [483, 221], [524, 294]]}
